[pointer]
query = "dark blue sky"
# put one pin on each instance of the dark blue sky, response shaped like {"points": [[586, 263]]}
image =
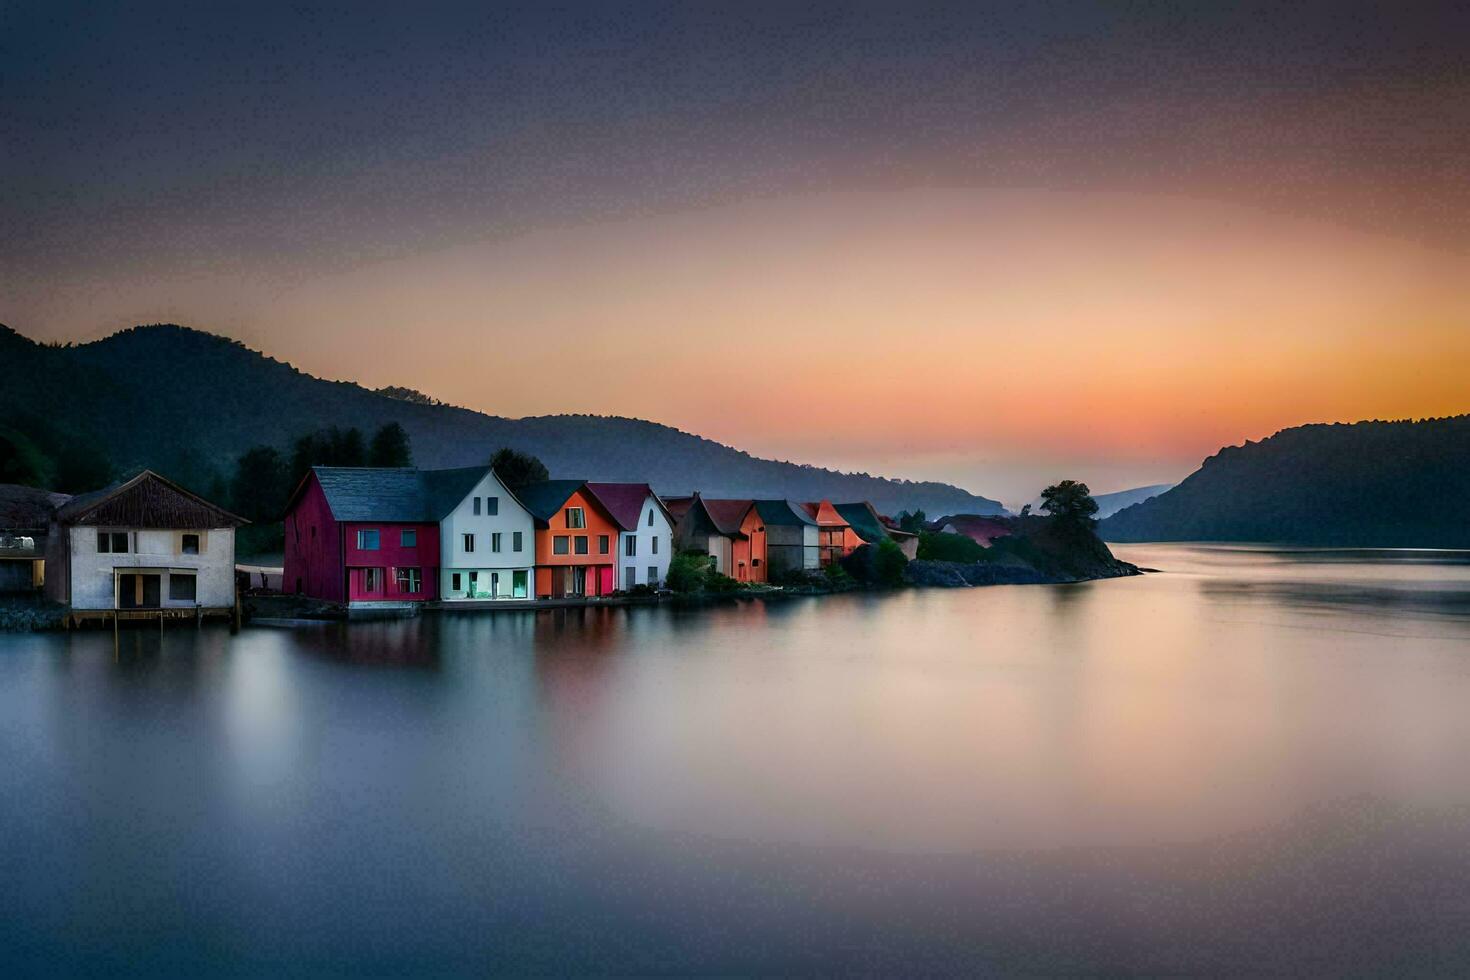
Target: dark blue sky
{"points": [[280, 136]]}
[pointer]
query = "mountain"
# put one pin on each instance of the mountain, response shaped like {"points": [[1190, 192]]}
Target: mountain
{"points": [[1366, 484], [188, 403]]}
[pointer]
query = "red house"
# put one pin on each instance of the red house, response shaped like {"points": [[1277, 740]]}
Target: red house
{"points": [[366, 535]]}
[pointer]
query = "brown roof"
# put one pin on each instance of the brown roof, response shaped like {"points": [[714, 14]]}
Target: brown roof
{"points": [[727, 515], [146, 501], [27, 508]]}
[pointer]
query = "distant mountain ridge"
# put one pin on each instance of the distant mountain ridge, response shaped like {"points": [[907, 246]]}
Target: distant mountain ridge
{"points": [[184, 402], [1402, 484]]}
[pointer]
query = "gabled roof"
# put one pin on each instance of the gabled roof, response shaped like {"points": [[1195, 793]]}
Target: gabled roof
{"points": [[814, 509], [624, 501], [726, 514], [146, 501], [863, 519], [545, 498], [27, 508], [677, 506], [395, 495], [782, 512]]}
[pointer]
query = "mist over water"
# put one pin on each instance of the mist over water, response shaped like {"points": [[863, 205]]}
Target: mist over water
{"points": [[1253, 760]]}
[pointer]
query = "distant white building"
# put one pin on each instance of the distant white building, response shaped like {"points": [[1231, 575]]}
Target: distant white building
{"points": [[645, 536], [144, 544], [487, 543]]}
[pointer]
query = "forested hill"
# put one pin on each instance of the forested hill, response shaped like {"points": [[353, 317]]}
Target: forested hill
{"points": [[188, 403], [1367, 484]]}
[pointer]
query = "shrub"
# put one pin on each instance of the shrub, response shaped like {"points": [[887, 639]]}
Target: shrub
{"points": [[889, 563], [715, 582], [939, 546], [688, 571]]}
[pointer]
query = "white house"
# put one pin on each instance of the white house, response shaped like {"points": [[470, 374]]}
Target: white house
{"points": [[144, 544], [646, 532], [487, 544]]}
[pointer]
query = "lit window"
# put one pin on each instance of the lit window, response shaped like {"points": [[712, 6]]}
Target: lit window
{"points": [[367, 540], [561, 545], [410, 580], [576, 518]]}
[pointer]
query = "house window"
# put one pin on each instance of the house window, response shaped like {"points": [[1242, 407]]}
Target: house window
{"points": [[454, 582], [495, 542], [655, 545], [469, 543], [492, 506], [576, 517], [630, 578], [561, 545], [372, 580], [650, 517], [112, 542], [182, 587], [495, 585], [581, 544], [515, 541], [630, 547], [189, 544], [652, 574], [367, 540], [518, 584], [409, 580], [477, 506], [755, 563], [474, 582], [408, 538], [603, 544]]}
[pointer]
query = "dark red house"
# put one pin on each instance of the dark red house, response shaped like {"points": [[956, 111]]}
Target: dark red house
{"points": [[364, 534]]}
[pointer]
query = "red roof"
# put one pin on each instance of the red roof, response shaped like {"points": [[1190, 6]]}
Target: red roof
{"points": [[678, 506], [624, 501], [981, 530], [727, 515]]}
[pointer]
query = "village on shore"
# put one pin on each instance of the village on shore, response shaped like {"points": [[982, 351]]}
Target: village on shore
{"points": [[365, 541]]}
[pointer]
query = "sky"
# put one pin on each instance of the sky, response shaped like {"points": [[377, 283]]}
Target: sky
{"points": [[992, 244]]}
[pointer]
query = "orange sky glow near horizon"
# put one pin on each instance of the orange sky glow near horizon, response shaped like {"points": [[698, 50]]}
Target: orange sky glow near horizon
{"points": [[996, 339]]}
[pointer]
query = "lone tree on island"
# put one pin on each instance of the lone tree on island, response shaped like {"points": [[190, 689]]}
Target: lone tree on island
{"points": [[517, 469], [1070, 503]]}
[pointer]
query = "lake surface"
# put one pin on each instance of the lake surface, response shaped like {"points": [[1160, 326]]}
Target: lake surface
{"points": [[1257, 761]]}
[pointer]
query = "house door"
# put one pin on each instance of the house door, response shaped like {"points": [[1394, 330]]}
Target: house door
{"points": [[139, 591], [630, 579], [577, 581], [495, 585]]}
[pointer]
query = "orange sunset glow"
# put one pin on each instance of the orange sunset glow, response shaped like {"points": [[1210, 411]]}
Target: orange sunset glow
{"points": [[967, 332]]}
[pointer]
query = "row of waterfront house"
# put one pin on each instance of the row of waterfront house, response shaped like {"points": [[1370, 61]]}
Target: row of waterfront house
{"points": [[369, 537]]}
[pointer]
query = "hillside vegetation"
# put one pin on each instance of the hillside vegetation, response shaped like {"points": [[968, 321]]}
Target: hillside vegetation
{"points": [[1368, 484], [189, 404]]}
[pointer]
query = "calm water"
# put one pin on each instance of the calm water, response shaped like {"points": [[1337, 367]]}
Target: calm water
{"points": [[1258, 761]]}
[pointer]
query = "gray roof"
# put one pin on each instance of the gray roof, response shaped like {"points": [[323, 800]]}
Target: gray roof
{"points": [[782, 512], [395, 495], [545, 498], [864, 520]]}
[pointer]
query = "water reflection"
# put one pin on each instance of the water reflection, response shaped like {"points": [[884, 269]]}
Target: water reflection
{"points": [[1249, 759]]}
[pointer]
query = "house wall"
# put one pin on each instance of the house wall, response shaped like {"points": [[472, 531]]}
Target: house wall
{"points": [[488, 566], [92, 572], [313, 559], [391, 555], [749, 556], [645, 557], [600, 563]]}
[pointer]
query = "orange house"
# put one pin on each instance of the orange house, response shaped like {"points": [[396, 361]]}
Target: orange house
{"points": [[835, 537], [576, 539], [730, 531]]}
